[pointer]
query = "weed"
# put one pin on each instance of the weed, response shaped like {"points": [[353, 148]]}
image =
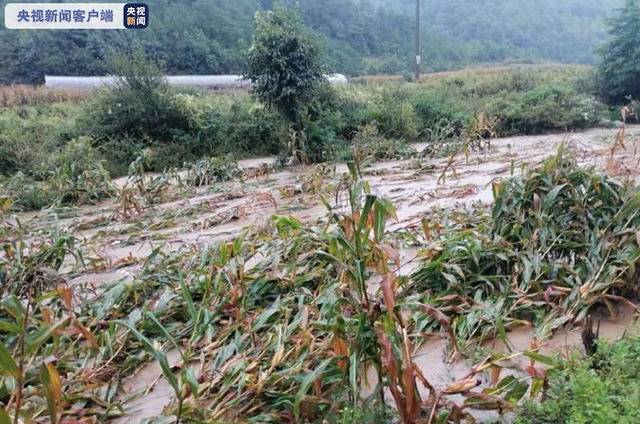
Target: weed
{"points": [[603, 388]]}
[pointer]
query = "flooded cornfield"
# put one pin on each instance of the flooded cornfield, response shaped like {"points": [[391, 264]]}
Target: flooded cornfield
{"points": [[276, 296]]}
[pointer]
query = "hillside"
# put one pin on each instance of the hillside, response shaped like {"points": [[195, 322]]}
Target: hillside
{"points": [[362, 36]]}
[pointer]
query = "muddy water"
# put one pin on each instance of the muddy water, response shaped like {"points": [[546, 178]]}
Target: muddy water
{"points": [[208, 214], [147, 392]]}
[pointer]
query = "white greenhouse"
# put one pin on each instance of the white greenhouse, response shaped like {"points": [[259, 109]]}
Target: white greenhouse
{"points": [[211, 82]]}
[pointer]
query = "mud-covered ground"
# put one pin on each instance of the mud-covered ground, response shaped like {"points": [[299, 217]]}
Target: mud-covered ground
{"points": [[114, 248]]}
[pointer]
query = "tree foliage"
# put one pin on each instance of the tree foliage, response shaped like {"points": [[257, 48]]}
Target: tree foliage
{"points": [[620, 67], [284, 61], [365, 36]]}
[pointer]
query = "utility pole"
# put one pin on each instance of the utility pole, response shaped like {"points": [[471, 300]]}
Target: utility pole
{"points": [[418, 41]]}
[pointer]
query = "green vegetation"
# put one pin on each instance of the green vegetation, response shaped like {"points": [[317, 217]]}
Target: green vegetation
{"points": [[376, 36], [619, 69], [177, 127], [303, 320], [286, 68], [140, 105], [284, 62], [554, 245], [314, 328], [604, 388], [75, 175], [207, 171], [281, 323]]}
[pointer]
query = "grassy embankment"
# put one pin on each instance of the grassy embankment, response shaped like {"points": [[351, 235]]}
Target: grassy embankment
{"points": [[54, 144]]}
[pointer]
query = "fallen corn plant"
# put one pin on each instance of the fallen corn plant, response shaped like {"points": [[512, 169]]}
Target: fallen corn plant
{"points": [[282, 324], [559, 242], [475, 137], [36, 309], [212, 170]]}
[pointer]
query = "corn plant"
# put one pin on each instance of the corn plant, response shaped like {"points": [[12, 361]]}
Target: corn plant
{"points": [[558, 242], [211, 170], [35, 308]]}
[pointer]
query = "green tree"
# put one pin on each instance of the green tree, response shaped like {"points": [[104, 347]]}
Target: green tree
{"points": [[284, 62], [620, 66]]}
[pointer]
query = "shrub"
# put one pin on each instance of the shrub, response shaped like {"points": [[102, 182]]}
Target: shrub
{"points": [[29, 135], [548, 107], [396, 118], [286, 70], [357, 106], [250, 128], [434, 111], [139, 105], [119, 152], [284, 61], [601, 389], [73, 176]]}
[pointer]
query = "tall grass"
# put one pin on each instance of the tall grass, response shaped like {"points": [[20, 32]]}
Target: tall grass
{"points": [[28, 95]]}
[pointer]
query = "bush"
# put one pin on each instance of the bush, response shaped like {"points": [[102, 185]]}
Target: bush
{"points": [[285, 66], [547, 107], [219, 124], [396, 117], [284, 62], [119, 152], [139, 105], [602, 389], [73, 176], [434, 112], [238, 125], [29, 135]]}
